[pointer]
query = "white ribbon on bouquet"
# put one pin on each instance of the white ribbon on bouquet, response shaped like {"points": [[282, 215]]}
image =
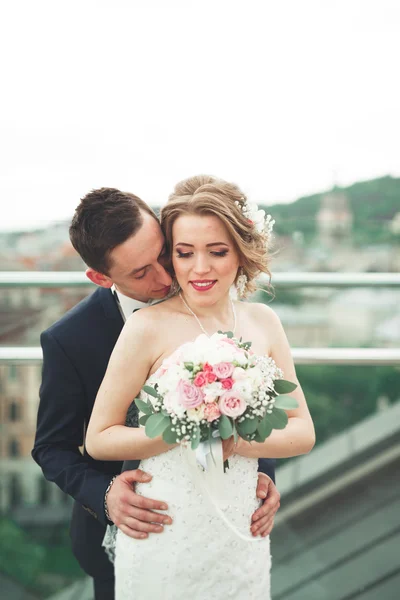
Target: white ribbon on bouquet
{"points": [[210, 480]]}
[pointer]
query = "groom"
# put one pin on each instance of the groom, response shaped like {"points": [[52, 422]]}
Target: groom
{"points": [[120, 239]]}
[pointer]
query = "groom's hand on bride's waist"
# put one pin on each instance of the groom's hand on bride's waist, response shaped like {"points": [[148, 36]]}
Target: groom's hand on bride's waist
{"points": [[134, 514], [263, 518]]}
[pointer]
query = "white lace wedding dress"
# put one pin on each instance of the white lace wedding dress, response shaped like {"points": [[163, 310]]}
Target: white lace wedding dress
{"points": [[208, 552]]}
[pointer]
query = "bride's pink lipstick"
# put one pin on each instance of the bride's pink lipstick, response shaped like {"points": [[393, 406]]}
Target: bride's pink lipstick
{"points": [[203, 285]]}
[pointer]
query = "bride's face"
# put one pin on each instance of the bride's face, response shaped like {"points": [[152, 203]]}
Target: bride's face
{"points": [[204, 258]]}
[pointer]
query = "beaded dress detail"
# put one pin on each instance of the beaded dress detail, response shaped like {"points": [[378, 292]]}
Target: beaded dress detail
{"points": [[198, 556]]}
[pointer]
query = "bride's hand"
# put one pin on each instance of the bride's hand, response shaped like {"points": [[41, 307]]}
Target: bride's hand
{"points": [[229, 447]]}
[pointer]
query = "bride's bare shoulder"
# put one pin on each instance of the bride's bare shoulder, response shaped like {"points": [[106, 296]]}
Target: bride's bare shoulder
{"points": [[147, 330], [261, 313], [152, 317]]}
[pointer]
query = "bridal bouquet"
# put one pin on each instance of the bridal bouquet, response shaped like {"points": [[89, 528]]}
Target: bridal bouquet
{"points": [[215, 386]]}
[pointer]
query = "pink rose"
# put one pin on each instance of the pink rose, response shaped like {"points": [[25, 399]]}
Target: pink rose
{"points": [[189, 395], [223, 370], [227, 383], [212, 412], [211, 377], [209, 373], [228, 341], [201, 379], [231, 405]]}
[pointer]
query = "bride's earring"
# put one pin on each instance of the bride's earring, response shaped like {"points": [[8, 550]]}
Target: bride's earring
{"points": [[241, 283], [175, 287]]}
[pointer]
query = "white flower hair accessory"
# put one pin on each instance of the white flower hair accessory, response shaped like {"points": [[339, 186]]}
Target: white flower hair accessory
{"points": [[264, 224]]}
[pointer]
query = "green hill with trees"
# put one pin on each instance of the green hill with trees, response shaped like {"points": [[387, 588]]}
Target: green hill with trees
{"points": [[373, 203]]}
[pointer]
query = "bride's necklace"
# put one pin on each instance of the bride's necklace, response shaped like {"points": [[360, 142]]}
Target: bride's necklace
{"points": [[198, 320]]}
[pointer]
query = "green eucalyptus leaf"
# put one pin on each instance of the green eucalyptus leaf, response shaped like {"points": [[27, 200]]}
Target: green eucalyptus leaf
{"points": [[277, 419], [239, 430], [235, 433], [156, 425], [243, 434], [248, 426], [286, 402], [149, 390], [143, 419], [264, 428], [284, 387], [143, 406], [196, 439], [169, 436], [225, 427], [258, 437], [228, 334]]}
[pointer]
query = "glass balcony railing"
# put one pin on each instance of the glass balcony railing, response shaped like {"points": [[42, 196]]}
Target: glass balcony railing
{"points": [[336, 535]]}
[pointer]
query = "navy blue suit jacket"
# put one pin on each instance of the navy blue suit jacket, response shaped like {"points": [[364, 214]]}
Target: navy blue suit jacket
{"points": [[76, 351]]}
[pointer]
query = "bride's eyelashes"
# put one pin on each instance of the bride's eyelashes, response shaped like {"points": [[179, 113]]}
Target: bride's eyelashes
{"points": [[221, 254]]}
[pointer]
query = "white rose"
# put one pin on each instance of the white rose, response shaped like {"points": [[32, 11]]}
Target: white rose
{"points": [[255, 375], [212, 391], [171, 403], [212, 356], [227, 353], [169, 381], [241, 358], [239, 373], [190, 352], [215, 337], [244, 388], [196, 414]]}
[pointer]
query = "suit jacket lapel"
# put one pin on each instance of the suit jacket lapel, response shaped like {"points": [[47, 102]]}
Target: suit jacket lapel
{"points": [[110, 307], [113, 322]]}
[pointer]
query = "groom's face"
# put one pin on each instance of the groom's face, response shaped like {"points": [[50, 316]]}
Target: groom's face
{"points": [[137, 264]]}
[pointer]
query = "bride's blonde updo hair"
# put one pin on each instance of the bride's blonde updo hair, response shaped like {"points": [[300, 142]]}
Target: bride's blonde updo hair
{"points": [[206, 195]]}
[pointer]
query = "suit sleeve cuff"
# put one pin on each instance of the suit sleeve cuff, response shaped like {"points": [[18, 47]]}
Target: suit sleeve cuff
{"points": [[106, 513], [95, 505], [267, 466]]}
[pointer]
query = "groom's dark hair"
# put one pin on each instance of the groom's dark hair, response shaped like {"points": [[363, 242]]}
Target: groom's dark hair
{"points": [[104, 219]]}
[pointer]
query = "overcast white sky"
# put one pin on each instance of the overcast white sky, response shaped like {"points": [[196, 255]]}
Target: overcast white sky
{"points": [[279, 96]]}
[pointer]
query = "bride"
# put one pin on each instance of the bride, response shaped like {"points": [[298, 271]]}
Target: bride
{"points": [[206, 552]]}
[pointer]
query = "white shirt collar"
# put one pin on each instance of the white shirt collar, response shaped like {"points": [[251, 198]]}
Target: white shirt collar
{"points": [[127, 304]]}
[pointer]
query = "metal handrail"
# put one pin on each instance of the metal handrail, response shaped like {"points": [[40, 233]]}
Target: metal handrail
{"points": [[54, 279], [301, 356]]}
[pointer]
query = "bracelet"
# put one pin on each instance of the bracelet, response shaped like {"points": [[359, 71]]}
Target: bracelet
{"points": [[105, 498]]}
